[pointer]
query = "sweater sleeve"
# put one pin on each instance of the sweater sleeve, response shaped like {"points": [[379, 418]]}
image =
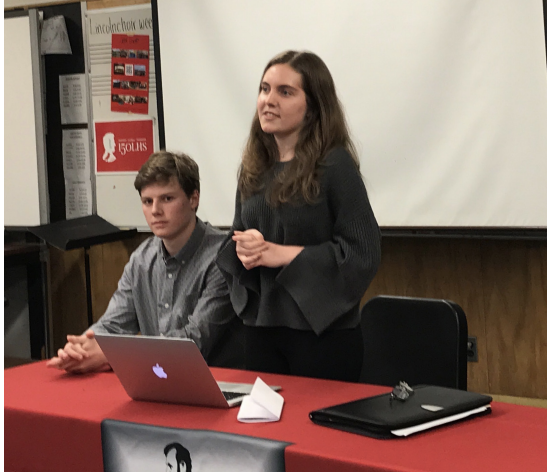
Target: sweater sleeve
{"points": [[328, 279], [243, 284]]}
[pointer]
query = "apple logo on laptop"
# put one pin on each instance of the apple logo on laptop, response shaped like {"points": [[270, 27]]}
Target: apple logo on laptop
{"points": [[158, 370]]}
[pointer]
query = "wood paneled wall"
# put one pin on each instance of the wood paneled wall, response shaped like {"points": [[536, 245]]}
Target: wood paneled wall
{"points": [[500, 284], [68, 284]]}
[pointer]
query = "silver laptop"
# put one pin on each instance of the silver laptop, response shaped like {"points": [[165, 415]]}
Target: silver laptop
{"points": [[171, 370]]}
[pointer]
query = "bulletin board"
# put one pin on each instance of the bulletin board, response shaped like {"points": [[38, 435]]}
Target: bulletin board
{"points": [[116, 199]]}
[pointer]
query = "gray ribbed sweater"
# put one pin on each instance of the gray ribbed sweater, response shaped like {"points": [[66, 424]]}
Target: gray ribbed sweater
{"points": [[322, 287]]}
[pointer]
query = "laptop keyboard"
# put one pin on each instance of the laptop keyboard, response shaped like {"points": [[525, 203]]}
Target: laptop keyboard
{"points": [[231, 395]]}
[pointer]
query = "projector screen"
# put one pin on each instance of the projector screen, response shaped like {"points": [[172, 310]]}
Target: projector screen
{"points": [[446, 101]]}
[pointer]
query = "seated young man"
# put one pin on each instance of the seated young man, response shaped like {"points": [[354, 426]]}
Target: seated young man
{"points": [[171, 286]]}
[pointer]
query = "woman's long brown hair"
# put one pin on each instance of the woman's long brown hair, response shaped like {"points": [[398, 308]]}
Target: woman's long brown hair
{"points": [[324, 128]]}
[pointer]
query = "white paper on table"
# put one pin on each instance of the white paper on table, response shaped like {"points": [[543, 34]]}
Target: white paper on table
{"points": [[262, 405], [434, 423]]}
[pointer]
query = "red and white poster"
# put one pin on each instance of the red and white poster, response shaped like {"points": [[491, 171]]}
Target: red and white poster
{"points": [[122, 146], [130, 73]]}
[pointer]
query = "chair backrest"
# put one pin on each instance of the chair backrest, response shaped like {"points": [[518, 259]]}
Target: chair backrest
{"points": [[416, 340], [134, 447]]}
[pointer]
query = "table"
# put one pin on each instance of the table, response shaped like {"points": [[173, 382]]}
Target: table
{"points": [[52, 423]]}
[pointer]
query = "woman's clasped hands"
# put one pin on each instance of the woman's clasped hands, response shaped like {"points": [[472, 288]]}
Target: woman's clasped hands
{"points": [[250, 246], [254, 251]]}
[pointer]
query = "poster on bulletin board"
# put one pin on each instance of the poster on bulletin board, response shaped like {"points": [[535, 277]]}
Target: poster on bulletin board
{"points": [[130, 73], [122, 146], [116, 185]]}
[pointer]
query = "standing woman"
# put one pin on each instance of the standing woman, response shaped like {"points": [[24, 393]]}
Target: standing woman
{"points": [[304, 244]]}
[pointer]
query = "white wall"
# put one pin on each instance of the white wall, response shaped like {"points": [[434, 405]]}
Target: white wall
{"points": [[21, 174]]}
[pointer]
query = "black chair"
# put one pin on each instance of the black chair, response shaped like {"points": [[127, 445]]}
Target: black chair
{"points": [[416, 340], [134, 447]]}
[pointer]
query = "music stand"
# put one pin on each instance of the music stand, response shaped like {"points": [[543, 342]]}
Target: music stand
{"points": [[82, 232]]}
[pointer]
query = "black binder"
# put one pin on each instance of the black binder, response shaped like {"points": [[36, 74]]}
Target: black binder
{"points": [[381, 416]]}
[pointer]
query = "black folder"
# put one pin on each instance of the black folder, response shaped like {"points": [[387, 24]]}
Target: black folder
{"points": [[383, 417]]}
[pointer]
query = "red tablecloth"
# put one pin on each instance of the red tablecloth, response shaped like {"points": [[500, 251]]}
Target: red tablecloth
{"points": [[52, 423]]}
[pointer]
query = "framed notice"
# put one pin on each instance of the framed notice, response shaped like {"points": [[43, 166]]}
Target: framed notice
{"points": [[122, 146], [130, 73]]}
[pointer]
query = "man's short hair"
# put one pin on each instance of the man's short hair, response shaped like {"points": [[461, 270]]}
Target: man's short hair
{"points": [[182, 455], [163, 165]]}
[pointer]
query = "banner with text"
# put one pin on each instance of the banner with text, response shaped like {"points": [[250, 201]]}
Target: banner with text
{"points": [[122, 146]]}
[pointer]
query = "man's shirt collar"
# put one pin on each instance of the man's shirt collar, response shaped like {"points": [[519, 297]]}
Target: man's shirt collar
{"points": [[188, 250]]}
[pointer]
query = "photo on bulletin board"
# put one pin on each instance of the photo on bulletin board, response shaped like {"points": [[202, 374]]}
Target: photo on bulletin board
{"points": [[129, 73], [122, 146]]}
